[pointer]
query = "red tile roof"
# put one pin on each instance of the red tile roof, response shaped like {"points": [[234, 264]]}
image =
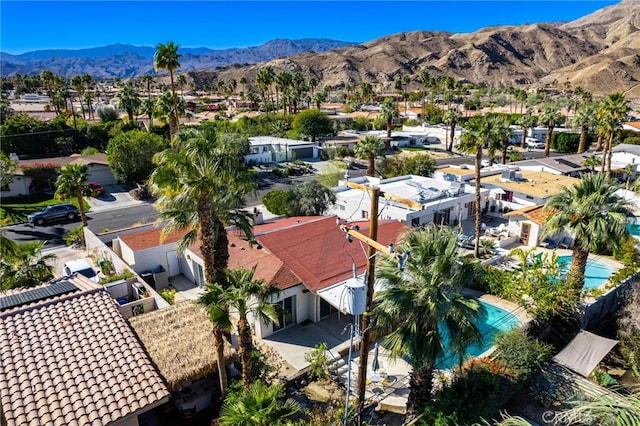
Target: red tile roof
{"points": [[73, 360], [150, 238], [319, 253], [277, 224]]}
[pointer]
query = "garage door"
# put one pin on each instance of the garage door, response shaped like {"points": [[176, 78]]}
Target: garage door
{"points": [[303, 152], [101, 174]]}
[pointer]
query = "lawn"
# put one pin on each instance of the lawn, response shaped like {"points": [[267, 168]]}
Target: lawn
{"points": [[413, 148], [16, 210]]}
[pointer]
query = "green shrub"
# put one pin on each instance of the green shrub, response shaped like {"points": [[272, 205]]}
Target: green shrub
{"points": [[276, 201], [75, 236], [343, 151], [116, 277], [317, 359], [169, 294], [521, 353]]}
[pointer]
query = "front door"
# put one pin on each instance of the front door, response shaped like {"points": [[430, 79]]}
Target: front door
{"points": [[525, 230], [172, 262]]}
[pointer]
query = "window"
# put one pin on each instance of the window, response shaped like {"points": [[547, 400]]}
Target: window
{"points": [[287, 314], [415, 221], [341, 207], [326, 309], [365, 214]]}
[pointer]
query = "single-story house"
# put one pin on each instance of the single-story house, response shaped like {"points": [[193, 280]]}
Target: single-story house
{"points": [[269, 149], [69, 358], [24, 182], [528, 223], [429, 200], [465, 173], [632, 125], [567, 165], [512, 189]]}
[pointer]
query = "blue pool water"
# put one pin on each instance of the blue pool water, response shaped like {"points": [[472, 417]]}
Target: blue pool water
{"points": [[494, 320], [595, 274], [634, 229]]}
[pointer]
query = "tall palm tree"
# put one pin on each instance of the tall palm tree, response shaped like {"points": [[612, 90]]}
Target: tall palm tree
{"points": [[478, 134], [167, 58], [244, 296], [593, 214], [550, 118], [526, 121], [370, 147], [451, 118], [181, 80], [147, 80], [503, 134], [259, 406], [388, 111], [78, 86], [591, 161], [585, 118], [422, 304], [611, 114], [25, 265], [129, 100], [72, 182]]}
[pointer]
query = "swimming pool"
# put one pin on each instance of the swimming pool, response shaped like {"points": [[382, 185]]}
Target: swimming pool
{"points": [[494, 320], [634, 229], [595, 274]]}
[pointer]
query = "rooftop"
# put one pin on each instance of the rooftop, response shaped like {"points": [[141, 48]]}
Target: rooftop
{"points": [[534, 213], [536, 184], [148, 239], [71, 359]]}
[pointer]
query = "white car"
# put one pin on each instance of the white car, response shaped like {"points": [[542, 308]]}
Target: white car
{"points": [[82, 267], [533, 143]]}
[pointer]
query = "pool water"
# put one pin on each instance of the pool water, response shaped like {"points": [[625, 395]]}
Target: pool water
{"points": [[634, 229], [595, 274], [495, 319]]}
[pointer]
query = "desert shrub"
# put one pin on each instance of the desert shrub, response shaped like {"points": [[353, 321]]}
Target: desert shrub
{"points": [[343, 151], [107, 114], [317, 359], [276, 201], [116, 277], [459, 403], [521, 353], [90, 150]]}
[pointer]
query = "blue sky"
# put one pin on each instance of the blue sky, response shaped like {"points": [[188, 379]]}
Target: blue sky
{"points": [[33, 25]]}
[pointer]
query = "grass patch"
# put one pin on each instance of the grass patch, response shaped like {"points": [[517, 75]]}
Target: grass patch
{"points": [[414, 148], [15, 210]]}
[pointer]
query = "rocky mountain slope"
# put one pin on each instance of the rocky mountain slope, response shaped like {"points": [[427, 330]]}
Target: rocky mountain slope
{"points": [[124, 61], [600, 53]]}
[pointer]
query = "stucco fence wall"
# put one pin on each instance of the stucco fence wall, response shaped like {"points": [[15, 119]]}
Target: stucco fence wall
{"points": [[609, 303]]}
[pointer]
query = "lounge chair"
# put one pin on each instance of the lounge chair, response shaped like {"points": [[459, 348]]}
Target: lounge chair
{"points": [[565, 243]]}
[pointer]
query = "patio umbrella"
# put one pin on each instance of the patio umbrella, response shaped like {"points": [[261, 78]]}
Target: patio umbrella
{"points": [[375, 364]]}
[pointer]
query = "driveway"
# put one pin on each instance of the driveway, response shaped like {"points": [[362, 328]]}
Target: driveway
{"points": [[65, 254], [115, 197]]}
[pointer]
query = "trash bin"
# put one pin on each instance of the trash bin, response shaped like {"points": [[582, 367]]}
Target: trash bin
{"points": [[147, 276]]}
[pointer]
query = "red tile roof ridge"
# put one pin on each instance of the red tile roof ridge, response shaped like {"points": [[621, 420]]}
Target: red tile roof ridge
{"points": [[292, 225]]}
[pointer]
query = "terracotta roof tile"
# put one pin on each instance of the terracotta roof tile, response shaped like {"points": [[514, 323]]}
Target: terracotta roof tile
{"points": [[50, 374], [149, 239], [535, 213]]}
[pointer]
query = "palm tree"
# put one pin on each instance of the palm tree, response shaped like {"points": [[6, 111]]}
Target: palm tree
{"points": [[586, 119], [129, 100], [526, 121], [245, 296], [264, 78], [591, 161], [451, 118], [551, 118], [593, 214], [388, 111], [370, 147], [167, 58], [422, 304], [479, 132], [181, 80], [78, 86], [72, 182], [25, 265], [258, 406], [503, 134], [611, 114], [147, 79]]}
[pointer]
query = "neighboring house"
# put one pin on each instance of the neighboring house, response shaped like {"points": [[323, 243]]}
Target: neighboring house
{"points": [[567, 165], [269, 149], [624, 157], [69, 358], [24, 184], [512, 189], [413, 200], [632, 125], [466, 172]]}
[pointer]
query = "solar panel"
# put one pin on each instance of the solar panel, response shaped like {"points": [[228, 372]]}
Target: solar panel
{"points": [[36, 294]]}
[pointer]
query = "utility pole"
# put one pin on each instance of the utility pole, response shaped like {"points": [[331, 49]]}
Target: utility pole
{"points": [[365, 343]]}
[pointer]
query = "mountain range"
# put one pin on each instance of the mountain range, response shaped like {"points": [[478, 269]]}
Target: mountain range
{"points": [[599, 52]]}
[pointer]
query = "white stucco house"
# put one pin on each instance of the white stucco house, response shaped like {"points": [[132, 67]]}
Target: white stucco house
{"points": [[430, 200], [269, 149]]}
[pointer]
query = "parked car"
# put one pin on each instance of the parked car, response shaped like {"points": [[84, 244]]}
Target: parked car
{"points": [[53, 212], [82, 267], [533, 143], [95, 189]]}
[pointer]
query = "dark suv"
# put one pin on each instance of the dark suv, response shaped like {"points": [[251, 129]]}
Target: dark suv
{"points": [[54, 212]]}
